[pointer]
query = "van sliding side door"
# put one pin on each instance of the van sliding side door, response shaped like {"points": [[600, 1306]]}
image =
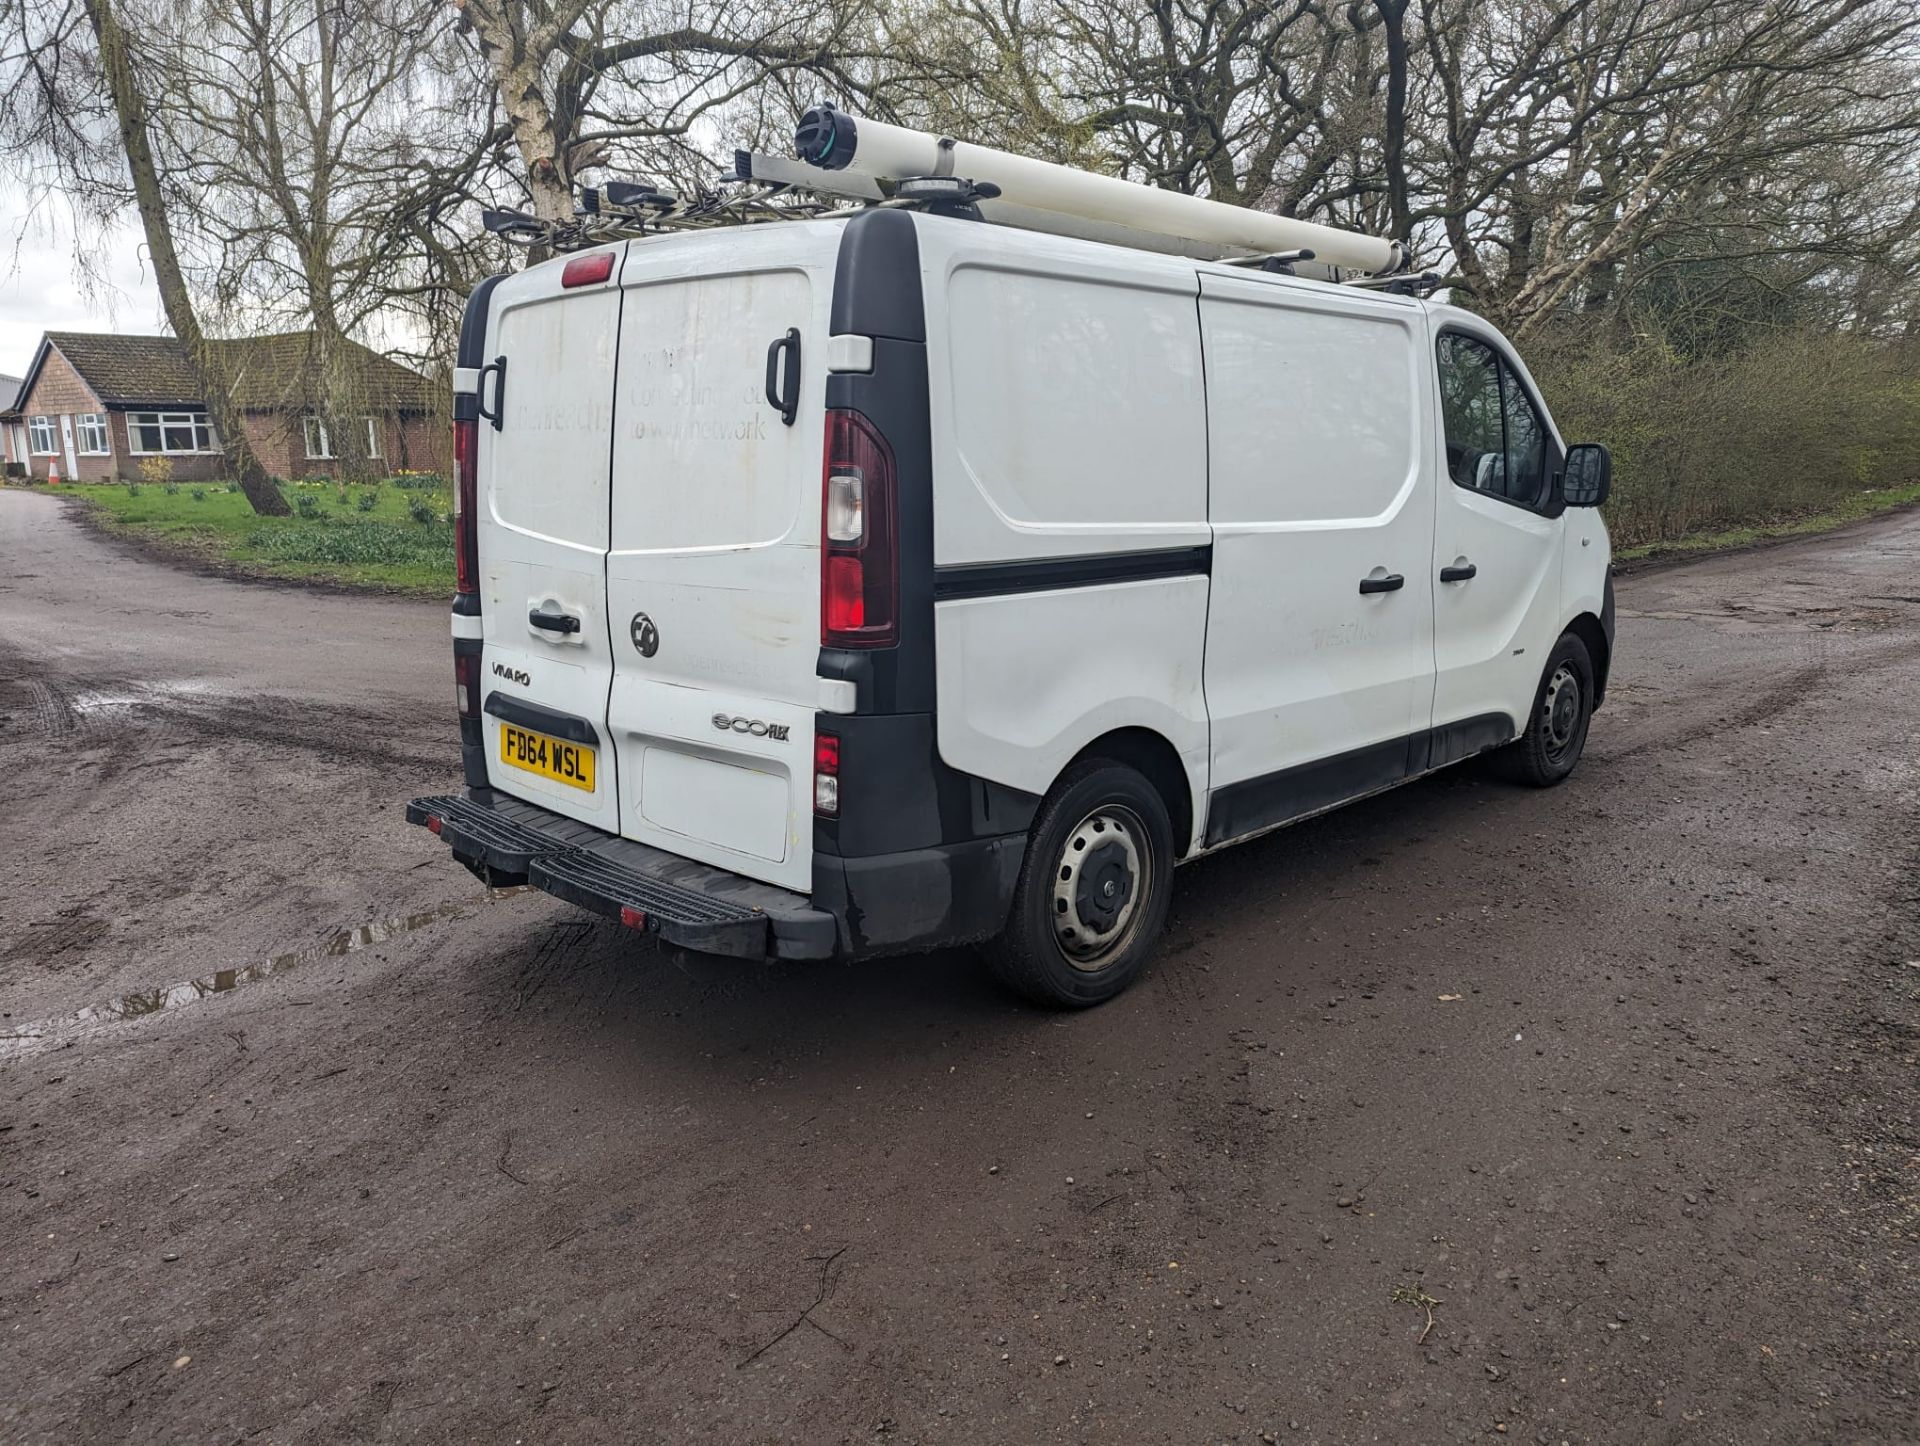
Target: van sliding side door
{"points": [[1319, 668]]}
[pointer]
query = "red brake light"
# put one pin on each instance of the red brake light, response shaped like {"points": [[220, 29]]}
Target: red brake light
{"points": [[586, 270], [466, 499], [859, 569]]}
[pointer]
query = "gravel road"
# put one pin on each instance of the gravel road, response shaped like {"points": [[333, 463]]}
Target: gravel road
{"points": [[1585, 1116]]}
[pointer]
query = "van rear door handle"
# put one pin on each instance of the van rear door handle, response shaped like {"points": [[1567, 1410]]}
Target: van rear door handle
{"points": [[554, 622], [1458, 574], [1392, 582], [786, 401]]}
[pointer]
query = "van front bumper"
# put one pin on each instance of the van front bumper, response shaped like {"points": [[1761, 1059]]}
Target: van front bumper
{"points": [[507, 841]]}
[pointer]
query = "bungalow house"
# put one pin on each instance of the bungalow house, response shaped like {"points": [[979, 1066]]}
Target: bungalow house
{"points": [[93, 407]]}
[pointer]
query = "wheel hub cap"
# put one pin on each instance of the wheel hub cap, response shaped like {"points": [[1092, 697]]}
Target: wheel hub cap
{"points": [[1097, 884], [1561, 708]]}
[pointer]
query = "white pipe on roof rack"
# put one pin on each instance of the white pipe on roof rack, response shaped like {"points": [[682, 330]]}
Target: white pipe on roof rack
{"points": [[835, 140]]}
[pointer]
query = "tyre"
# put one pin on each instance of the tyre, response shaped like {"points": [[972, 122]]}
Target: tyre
{"points": [[1093, 890], [1562, 708]]}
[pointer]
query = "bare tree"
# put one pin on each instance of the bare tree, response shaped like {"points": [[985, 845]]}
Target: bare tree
{"points": [[295, 120], [61, 93]]}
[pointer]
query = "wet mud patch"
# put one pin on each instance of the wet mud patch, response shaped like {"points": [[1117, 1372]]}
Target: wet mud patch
{"points": [[56, 1031]]}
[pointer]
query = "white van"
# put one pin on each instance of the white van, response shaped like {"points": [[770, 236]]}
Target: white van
{"points": [[854, 586]]}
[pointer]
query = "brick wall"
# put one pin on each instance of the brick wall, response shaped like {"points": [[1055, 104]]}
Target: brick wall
{"points": [[418, 444], [59, 392]]}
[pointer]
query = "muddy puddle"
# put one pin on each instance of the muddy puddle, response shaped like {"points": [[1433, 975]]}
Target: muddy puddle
{"points": [[37, 1036]]}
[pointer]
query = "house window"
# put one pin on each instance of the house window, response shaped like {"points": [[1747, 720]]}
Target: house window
{"points": [[320, 441], [168, 433], [41, 430], [92, 429]]}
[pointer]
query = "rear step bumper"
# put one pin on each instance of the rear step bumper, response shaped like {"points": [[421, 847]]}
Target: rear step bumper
{"points": [[686, 903]]}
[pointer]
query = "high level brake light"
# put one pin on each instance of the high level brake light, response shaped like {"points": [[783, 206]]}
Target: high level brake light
{"points": [[859, 565]]}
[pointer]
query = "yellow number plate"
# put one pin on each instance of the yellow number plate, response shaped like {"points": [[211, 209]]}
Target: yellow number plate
{"points": [[569, 763]]}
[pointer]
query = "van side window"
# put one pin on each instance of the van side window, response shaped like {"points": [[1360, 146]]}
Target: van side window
{"points": [[1495, 440]]}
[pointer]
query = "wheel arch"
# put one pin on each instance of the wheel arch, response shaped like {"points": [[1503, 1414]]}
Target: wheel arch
{"points": [[1152, 756], [1588, 629]]}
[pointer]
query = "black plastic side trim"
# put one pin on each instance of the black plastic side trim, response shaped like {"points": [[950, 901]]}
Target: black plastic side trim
{"points": [[923, 899], [1451, 742], [1049, 574], [473, 747], [876, 279], [473, 345], [541, 720], [898, 795], [473, 323], [1309, 788]]}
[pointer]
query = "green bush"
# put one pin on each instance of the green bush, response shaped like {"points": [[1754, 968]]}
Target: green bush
{"points": [[419, 482], [307, 505], [199, 494], [172, 489], [368, 500], [133, 489], [1787, 426], [421, 513]]}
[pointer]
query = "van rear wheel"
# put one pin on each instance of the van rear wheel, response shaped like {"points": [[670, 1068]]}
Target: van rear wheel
{"points": [[1093, 890]]}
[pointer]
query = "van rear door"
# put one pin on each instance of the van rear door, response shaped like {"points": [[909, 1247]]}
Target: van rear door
{"points": [[542, 519], [713, 568]]}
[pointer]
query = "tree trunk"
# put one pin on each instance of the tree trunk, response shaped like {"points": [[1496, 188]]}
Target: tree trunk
{"points": [[130, 108], [1393, 15]]}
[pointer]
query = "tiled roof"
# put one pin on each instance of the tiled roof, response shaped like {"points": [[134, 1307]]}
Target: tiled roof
{"points": [[9, 392], [269, 373]]}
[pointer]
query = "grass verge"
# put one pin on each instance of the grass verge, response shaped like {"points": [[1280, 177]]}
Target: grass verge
{"points": [[379, 537], [402, 541], [1858, 505]]}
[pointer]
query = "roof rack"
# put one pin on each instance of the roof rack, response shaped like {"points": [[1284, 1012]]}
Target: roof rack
{"points": [[846, 164]]}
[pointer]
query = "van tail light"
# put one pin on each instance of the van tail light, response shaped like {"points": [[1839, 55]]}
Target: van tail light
{"points": [[466, 683], [466, 506], [826, 775], [859, 545]]}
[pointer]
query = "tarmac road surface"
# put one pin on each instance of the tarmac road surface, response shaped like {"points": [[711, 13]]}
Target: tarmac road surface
{"points": [[1469, 1112]]}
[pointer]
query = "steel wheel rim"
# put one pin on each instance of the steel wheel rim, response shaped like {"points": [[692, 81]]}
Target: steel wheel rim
{"points": [[1101, 879], [1560, 711]]}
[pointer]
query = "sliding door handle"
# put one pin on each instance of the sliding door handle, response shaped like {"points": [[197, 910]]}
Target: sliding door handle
{"points": [[1392, 582], [1458, 574]]}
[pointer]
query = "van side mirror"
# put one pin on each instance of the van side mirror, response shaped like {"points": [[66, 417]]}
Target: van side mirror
{"points": [[1588, 475]]}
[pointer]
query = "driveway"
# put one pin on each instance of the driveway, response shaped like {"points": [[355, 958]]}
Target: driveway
{"points": [[1581, 1116]]}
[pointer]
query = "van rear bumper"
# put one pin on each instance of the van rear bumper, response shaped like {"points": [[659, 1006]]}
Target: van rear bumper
{"points": [[509, 841], [893, 903]]}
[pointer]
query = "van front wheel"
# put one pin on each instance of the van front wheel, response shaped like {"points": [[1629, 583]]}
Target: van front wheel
{"points": [[1562, 708], [1093, 890]]}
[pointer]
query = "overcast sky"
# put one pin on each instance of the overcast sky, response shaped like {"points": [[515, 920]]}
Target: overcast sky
{"points": [[41, 289]]}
